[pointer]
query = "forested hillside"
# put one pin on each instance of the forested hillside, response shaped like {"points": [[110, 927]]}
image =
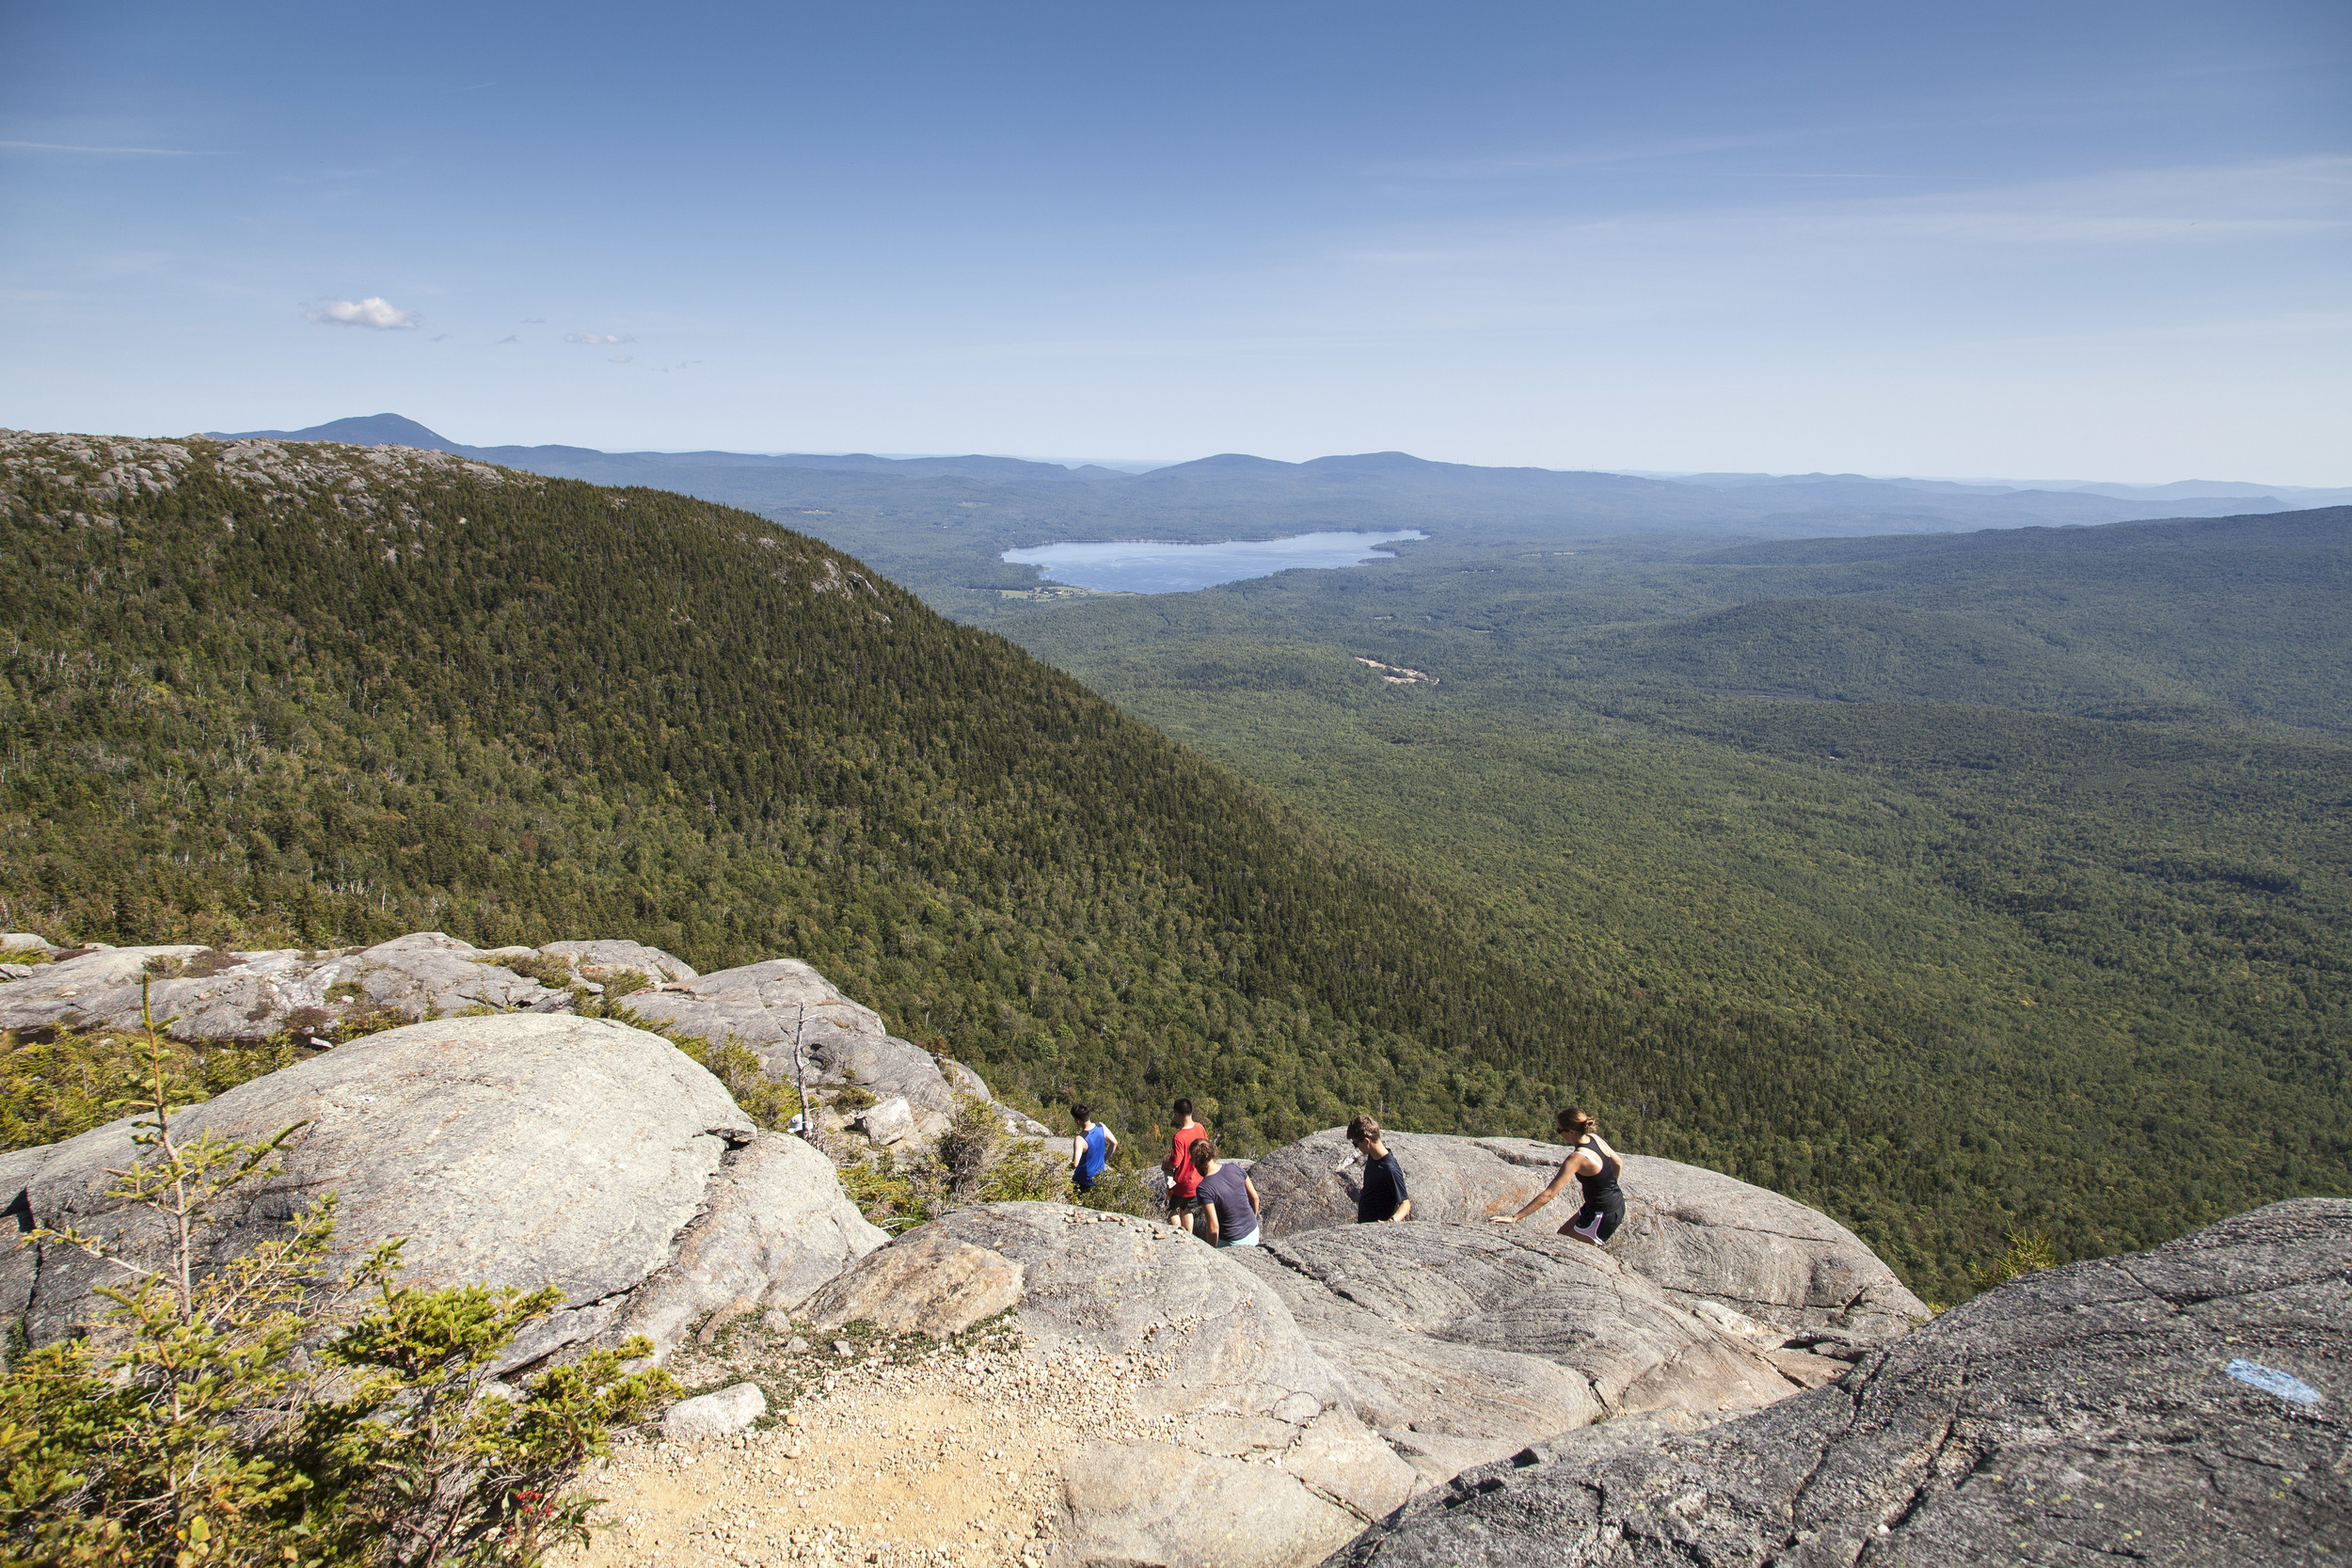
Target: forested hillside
{"points": [[1989, 837]]}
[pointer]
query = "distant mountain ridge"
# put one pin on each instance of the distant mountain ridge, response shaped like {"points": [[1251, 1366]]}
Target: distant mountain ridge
{"points": [[1395, 485]]}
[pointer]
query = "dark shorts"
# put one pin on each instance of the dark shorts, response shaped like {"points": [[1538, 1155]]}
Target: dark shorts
{"points": [[1192, 1205], [1598, 1220], [1084, 1183]]}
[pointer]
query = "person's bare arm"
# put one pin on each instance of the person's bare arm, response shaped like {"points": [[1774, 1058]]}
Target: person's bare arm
{"points": [[1568, 1168], [1112, 1139], [1404, 1211], [1252, 1188], [1210, 1210]]}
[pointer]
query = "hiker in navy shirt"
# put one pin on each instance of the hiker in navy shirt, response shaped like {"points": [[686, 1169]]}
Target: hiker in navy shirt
{"points": [[1382, 1195], [1228, 1199], [1090, 1150]]}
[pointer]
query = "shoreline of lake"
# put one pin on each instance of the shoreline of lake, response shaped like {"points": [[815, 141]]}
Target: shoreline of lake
{"points": [[1153, 566]]}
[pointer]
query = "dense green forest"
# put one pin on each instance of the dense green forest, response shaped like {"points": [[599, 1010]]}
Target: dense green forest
{"points": [[1992, 839], [2044, 934]]}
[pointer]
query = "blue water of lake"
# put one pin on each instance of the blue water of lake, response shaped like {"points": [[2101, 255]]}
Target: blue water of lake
{"points": [[1146, 567]]}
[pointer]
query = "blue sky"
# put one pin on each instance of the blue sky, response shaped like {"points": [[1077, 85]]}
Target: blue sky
{"points": [[2054, 240]]}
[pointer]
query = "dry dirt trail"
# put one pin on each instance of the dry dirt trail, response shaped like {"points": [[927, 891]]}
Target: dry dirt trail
{"points": [[908, 1452]]}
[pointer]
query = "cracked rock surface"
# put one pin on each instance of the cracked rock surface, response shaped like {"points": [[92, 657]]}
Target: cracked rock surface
{"points": [[1463, 1344], [2083, 1414], [523, 1150], [1696, 1234]]}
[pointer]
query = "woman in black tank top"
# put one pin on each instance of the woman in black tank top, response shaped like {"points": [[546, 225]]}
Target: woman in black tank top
{"points": [[1595, 1168]]}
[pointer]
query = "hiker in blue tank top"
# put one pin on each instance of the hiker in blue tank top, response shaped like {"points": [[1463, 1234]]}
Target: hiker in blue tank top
{"points": [[1595, 1168], [1090, 1150]]}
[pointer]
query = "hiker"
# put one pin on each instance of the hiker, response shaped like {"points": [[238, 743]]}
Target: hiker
{"points": [[1183, 1180], [1596, 1167], [1382, 1195], [1229, 1198], [1090, 1150]]}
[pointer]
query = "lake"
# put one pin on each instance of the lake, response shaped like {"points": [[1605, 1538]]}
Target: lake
{"points": [[1145, 567]]}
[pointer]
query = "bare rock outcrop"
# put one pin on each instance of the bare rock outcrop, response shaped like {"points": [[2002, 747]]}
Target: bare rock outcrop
{"points": [[522, 1149], [2188, 1406], [1319, 1378], [1697, 1234], [765, 1005], [204, 993], [1462, 1343]]}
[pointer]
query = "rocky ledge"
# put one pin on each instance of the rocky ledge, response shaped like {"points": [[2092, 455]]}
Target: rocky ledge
{"points": [[789, 1016], [2188, 1406], [525, 1151]]}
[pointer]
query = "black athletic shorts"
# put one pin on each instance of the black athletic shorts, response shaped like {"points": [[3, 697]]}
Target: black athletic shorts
{"points": [[1598, 1220]]}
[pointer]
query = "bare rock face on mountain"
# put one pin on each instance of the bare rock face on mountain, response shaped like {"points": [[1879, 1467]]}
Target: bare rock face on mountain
{"points": [[1309, 1387], [203, 993], [1462, 1343], [600, 961], [767, 1005], [1697, 1234], [526, 1151], [2188, 1406]]}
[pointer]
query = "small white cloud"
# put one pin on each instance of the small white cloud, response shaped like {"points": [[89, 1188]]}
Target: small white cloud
{"points": [[373, 311], [599, 337], [622, 359], [535, 320]]}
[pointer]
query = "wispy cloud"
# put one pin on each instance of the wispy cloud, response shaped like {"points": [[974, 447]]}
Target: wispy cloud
{"points": [[621, 359], [599, 337], [440, 337], [373, 312], [110, 151], [510, 337], [535, 320]]}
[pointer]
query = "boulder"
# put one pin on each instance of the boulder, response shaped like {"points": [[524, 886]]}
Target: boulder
{"points": [[764, 1005], [926, 1282], [600, 961], [525, 1151], [26, 941], [203, 993], [889, 1122], [720, 1415], [962, 1080], [2187, 1405], [774, 1227], [1697, 1234], [1462, 1344]]}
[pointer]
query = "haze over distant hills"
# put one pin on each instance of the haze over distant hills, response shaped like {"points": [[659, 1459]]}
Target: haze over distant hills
{"points": [[1212, 497]]}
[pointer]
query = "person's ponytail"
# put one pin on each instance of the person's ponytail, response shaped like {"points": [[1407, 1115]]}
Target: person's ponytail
{"points": [[1574, 1124]]}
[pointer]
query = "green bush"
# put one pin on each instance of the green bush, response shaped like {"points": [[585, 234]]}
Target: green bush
{"points": [[190, 1429], [2028, 1251]]}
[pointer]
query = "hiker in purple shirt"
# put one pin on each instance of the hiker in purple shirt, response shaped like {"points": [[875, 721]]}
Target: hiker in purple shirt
{"points": [[1227, 1198]]}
